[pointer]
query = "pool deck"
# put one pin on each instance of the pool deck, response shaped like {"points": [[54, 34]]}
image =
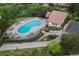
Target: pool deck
{"points": [[13, 33]]}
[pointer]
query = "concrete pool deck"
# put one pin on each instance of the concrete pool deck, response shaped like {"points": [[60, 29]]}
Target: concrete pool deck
{"points": [[13, 33]]}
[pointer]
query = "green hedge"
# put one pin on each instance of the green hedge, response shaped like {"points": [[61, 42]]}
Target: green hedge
{"points": [[23, 40], [48, 28], [51, 37]]}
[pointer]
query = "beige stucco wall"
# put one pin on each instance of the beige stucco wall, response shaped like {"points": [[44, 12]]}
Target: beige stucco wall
{"points": [[57, 25]]}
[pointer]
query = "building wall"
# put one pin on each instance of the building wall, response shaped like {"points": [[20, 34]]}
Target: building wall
{"points": [[53, 24], [55, 32]]}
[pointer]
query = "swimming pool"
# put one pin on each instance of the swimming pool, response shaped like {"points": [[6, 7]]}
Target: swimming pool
{"points": [[26, 27]]}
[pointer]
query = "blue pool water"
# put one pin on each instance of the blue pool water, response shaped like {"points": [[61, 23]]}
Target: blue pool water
{"points": [[26, 27]]}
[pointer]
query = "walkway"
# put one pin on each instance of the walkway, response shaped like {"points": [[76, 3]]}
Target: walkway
{"points": [[45, 35], [24, 45], [66, 25]]}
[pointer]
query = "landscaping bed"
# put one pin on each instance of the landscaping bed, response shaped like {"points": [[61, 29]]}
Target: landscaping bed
{"points": [[51, 37], [48, 28], [21, 41]]}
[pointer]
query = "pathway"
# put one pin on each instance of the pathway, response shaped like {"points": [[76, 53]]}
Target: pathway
{"points": [[24, 45], [45, 35], [66, 25]]}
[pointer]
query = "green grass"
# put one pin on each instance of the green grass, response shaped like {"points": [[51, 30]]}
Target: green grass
{"points": [[26, 52]]}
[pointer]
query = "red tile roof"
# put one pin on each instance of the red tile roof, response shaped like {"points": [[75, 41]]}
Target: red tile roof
{"points": [[57, 17]]}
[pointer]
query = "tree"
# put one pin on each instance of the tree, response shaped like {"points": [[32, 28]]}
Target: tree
{"points": [[71, 43], [37, 10], [74, 11], [11, 11], [1, 42], [54, 48], [3, 25], [73, 7]]}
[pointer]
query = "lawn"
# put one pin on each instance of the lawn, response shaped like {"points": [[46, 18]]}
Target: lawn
{"points": [[26, 52]]}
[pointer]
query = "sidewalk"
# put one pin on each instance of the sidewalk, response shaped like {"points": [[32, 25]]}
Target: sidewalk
{"points": [[24, 45]]}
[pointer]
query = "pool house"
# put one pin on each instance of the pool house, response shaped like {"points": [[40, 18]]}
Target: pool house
{"points": [[56, 18]]}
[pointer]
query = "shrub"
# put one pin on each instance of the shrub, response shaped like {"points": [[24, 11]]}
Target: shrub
{"points": [[55, 48], [51, 37], [48, 28], [23, 40]]}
